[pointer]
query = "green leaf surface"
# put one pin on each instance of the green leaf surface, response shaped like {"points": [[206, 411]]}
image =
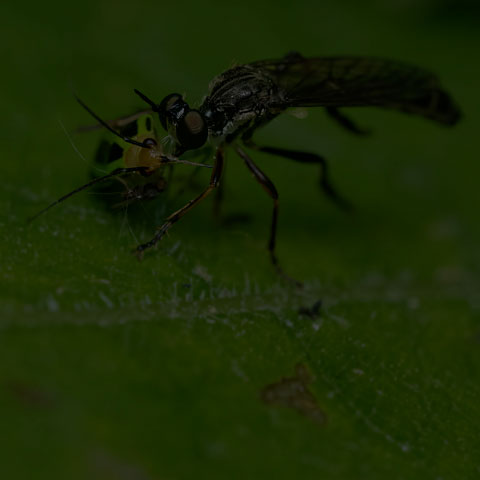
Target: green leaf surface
{"points": [[199, 361]]}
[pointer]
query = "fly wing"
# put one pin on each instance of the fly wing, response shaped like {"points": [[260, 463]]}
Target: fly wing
{"points": [[359, 81]]}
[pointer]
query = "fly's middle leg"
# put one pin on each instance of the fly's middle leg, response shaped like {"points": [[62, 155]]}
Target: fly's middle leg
{"points": [[269, 187], [218, 200]]}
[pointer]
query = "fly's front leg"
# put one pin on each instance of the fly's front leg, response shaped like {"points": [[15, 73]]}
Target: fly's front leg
{"points": [[269, 187], [306, 157], [174, 217]]}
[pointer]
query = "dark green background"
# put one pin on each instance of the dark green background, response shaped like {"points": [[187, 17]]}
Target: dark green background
{"points": [[111, 368]]}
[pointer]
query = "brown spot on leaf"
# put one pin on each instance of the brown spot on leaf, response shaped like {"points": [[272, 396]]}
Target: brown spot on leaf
{"points": [[293, 392]]}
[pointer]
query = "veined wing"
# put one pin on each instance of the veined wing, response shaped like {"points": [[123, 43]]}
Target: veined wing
{"points": [[359, 81]]}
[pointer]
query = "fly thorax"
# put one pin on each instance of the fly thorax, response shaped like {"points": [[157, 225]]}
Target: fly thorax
{"points": [[225, 121]]}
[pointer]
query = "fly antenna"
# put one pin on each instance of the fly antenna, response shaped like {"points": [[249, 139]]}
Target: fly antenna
{"points": [[146, 100], [115, 173], [109, 128]]}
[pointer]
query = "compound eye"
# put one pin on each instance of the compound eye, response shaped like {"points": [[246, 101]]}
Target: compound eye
{"points": [[150, 142], [192, 131], [169, 104]]}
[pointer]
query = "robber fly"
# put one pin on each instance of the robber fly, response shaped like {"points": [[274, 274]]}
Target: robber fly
{"points": [[246, 97]]}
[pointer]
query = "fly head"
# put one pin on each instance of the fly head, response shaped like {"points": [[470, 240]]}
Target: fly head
{"points": [[187, 126]]}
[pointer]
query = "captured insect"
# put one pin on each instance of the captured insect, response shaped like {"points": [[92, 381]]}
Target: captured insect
{"points": [[246, 97], [112, 155], [117, 153], [136, 150]]}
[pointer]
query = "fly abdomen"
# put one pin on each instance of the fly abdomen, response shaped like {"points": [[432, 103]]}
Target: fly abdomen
{"points": [[436, 105]]}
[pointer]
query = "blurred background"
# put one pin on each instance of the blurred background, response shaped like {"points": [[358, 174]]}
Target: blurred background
{"points": [[110, 368]]}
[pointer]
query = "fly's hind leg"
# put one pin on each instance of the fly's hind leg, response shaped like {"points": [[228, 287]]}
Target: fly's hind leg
{"points": [[174, 217], [346, 122], [306, 157], [269, 187]]}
